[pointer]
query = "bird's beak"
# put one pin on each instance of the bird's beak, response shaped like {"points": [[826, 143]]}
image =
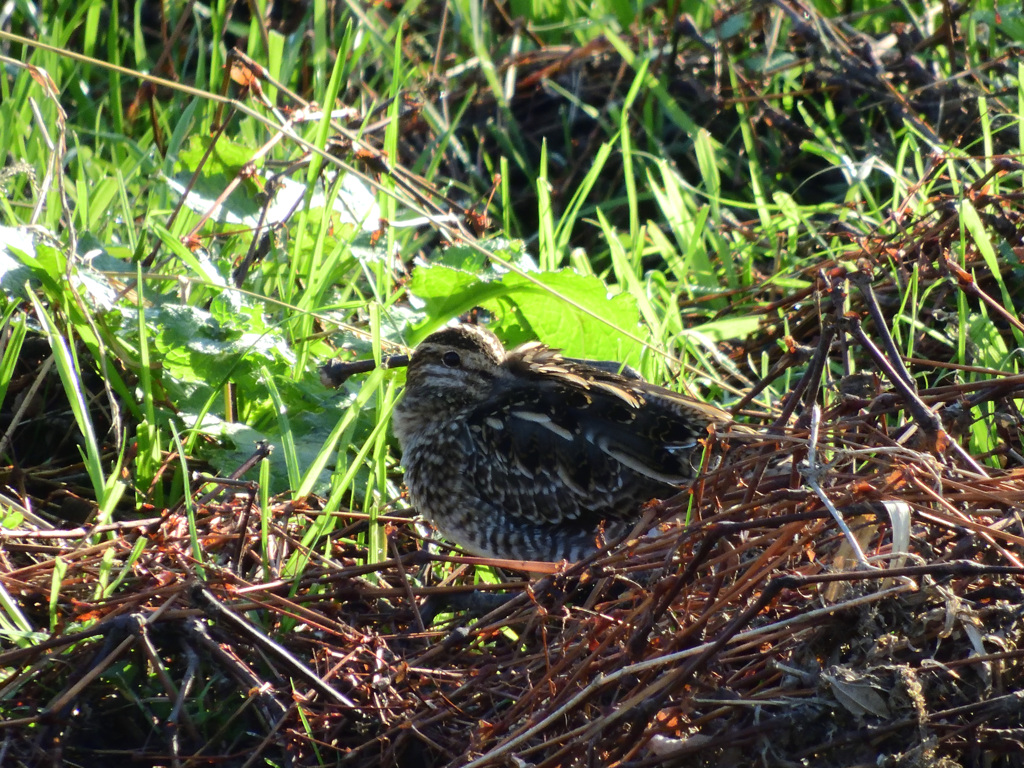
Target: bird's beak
{"points": [[336, 372]]}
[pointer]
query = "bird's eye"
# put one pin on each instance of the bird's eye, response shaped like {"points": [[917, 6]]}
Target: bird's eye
{"points": [[451, 359]]}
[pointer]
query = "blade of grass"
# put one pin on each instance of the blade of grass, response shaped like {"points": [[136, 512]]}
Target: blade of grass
{"points": [[291, 458], [70, 376], [190, 509]]}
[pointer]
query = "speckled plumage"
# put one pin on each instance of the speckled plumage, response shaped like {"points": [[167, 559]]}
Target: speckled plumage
{"points": [[523, 455]]}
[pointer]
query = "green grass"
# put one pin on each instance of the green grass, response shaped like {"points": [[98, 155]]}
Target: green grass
{"points": [[694, 230], [654, 235], [158, 283]]}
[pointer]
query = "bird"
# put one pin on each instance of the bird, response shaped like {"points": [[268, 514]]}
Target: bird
{"points": [[530, 455]]}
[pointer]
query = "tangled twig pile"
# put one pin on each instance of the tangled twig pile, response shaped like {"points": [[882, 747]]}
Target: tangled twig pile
{"points": [[750, 629]]}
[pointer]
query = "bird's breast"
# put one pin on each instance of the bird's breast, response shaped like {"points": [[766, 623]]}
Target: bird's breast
{"points": [[434, 461]]}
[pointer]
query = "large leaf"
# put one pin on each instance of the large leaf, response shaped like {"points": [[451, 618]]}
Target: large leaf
{"points": [[562, 309]]}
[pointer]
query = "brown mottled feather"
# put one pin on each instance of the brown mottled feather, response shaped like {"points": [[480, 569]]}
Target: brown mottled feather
{"points": [[525, 454]]}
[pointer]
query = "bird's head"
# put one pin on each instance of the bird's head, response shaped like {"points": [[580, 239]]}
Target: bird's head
{"points": [[454, 367]]}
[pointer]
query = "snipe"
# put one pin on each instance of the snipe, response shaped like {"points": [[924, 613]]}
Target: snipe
{"points": [[529, 455]]}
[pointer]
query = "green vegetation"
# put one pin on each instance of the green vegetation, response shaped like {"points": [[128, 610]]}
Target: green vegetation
{"points": [[185, 239]]}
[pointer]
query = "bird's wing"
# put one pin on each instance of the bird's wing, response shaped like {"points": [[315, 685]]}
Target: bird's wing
{"points": [[646, 427], [568, 442]]}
